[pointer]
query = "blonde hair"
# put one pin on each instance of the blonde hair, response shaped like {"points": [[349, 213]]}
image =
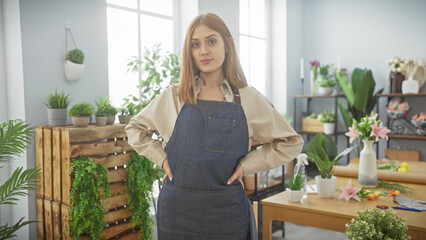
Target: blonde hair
{"points": [[231, 65]]}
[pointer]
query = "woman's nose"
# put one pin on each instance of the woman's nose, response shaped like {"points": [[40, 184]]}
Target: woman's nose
{"points": [[204, 49]]}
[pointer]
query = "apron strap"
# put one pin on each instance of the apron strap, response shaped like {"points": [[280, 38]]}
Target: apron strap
{"points": [[236, 94]]}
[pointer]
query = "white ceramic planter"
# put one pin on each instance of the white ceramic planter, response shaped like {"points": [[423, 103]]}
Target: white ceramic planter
{"points": [[57, 117], [101, 121], [73, 71], [81, 121], [325, 186], [367, 171], [294, 196], [410, 86], [329, 128], [325, 90]]}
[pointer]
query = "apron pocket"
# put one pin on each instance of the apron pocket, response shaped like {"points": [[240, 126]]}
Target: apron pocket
{"points": [[220, 135]]}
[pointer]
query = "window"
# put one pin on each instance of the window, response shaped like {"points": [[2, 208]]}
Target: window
{"points": [[133, 25], [253, 42]]}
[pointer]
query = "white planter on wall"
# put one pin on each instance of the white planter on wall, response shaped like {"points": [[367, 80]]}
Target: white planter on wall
{"points": [[73, 71]]}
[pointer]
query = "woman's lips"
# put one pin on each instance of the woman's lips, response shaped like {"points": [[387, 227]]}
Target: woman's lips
{"points": [[206, 61]]}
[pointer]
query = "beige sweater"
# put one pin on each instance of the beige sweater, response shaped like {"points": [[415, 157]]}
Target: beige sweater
{"points": [[280, 143]]}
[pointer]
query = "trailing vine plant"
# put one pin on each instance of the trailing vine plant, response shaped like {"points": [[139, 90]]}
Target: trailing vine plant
{"points": [[139, 186], [87, 214]]}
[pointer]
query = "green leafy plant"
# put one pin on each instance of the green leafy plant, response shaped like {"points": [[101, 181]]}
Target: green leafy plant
{"points": [[323, 70], [130, 109], [87, 213], [106, 107], [81, 109], [157, 72], [14, 137], [376, 224], [358, 93], [57, 100], [76, 56], [328, 82], [328, 117], [296, 183], [139, 184], [322, 150], [396, 186]]}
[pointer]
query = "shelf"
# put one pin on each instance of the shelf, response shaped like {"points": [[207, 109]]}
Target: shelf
{"points": [[407, 136], [401, 95], [337, 133], [320, 96]]}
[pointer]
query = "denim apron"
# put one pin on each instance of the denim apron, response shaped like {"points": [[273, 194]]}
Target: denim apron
{"points": [[207, 143]]}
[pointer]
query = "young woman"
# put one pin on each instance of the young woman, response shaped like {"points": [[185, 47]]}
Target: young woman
{"points": [[208, 123]]}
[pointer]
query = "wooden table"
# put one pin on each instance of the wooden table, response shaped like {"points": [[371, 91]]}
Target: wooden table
{"points": [[333, 213]]}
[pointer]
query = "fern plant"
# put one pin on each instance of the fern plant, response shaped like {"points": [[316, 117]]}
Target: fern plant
{"points": [[87, 213], [142, 176], [14, 137]]}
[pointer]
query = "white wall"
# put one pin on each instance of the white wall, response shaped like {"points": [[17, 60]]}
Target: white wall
{"points": [[365, 34]]}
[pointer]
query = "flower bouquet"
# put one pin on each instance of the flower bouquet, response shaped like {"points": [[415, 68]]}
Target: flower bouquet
{"points": [[398, 108], [396, 64], [370, 128]]}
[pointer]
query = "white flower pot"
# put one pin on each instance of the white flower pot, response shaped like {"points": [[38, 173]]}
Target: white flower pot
{"points": [[325, 90], [410, 86], [101, 121], [73, 71], [325, 186], [329, 128], [367, 171], [57, 117], [294, 196], [81, 121]]}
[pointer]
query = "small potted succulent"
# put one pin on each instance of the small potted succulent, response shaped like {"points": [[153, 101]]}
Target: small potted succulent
{"points": [[74, 66], [326, 86], [329, 119], [127, 113], [101, 116], [109, 110], [322, 150], [57, 103], [374, 223], [81, 114], [295, 187]]}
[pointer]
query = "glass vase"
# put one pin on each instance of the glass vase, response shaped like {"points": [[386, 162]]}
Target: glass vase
{"points": [[367, 171], [313, 76]]}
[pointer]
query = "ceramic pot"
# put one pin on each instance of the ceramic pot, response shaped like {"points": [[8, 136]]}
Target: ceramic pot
{"points": [[73, 71], [410, 86], [110, 120], [81, 121], [124, 119], [329, 128], [367, 172], [325, 90], [57, 117], [294, 195], [325, 186], [101, 121]]}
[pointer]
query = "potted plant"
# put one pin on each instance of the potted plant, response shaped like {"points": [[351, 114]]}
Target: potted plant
{"points": [[101, 116], [81, 114], [295, 188], [127, 113], [74, 66], [326, 86], [107, 108], [322, 150], [374, 223], [57, 104], [328, 118]]}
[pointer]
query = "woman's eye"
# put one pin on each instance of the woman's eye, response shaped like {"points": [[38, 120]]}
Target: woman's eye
{"points": [[212, 42], [195, 45]]}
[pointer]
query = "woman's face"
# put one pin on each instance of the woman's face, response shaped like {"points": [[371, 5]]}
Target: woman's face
{"points": [[208, 50]]}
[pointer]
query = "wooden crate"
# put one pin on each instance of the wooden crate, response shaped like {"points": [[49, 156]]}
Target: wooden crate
{"points": [[312, 125], [55, 149]]}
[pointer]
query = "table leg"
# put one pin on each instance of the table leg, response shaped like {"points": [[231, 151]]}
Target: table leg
{"points": [[267, 216]]}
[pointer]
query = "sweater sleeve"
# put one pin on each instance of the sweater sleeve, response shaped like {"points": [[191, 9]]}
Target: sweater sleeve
{"points": [[159, 118], [280, 143]]}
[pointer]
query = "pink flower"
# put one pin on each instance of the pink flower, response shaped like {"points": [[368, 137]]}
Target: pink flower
{"points": [[379, 131], [353, 133], [403, 107], [391, 108], [350, 192], [314, 63]]}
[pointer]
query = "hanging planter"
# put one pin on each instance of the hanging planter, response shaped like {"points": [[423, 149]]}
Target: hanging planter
{"points": [[74, 60]]}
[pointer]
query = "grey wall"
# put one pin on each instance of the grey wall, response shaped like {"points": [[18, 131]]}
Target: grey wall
{"points": [[365, 34], [43, 52]]}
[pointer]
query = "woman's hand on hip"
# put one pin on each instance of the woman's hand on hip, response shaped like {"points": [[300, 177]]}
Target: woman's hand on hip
{"points": [[238, 174], [166, 167]]}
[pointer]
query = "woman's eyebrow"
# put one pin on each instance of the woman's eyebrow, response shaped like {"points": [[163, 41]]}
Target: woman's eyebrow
{"points": [[209, 36]]}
